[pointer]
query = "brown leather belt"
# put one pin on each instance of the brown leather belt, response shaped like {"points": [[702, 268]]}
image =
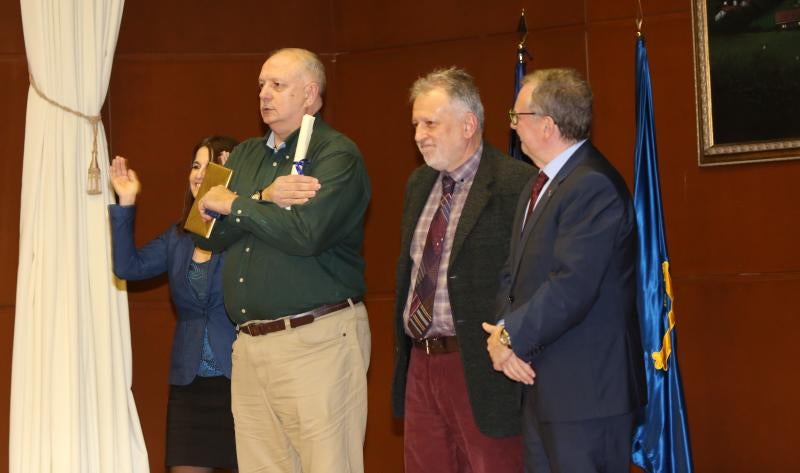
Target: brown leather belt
{"points": [[297, 320], [437, 345]]}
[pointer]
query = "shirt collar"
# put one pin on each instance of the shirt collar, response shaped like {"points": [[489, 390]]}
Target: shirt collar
{"points": [[290, 140], [553, 167], [467, 170], [271, 142]]}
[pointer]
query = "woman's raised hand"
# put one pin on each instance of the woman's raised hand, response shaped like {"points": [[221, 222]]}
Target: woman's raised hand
{"points": [[125, 182]]}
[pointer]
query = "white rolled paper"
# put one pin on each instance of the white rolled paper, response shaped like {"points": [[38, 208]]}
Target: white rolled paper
{"points": [[306, 128]]}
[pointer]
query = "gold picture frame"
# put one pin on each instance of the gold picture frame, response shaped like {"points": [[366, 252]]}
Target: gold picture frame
{"points": [[741, 116]]}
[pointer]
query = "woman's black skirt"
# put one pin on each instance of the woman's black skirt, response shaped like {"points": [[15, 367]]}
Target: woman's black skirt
{"points": [[200, 424]]}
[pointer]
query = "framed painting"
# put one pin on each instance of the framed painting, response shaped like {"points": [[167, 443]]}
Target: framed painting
{"points": [[747, 80]]}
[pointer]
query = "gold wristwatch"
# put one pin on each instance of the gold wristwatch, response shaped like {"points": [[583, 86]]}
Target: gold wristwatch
{"points": [[505, 338]]}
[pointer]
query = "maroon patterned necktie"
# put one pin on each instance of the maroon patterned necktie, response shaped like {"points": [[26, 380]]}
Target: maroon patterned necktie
{"points": [[421, 311], [540, 181]]}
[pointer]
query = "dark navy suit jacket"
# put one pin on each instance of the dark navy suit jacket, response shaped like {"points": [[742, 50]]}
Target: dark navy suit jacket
{"points": [[171, 252], [568, 293]]}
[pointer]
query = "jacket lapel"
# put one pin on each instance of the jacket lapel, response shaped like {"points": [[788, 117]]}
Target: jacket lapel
{"points": [[516, 233], [550, 194], [540, 207], [478, 197], [184, 246], [418, 195]]}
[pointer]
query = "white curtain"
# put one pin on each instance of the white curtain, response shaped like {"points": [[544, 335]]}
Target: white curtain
{"points": [[72, 409]]}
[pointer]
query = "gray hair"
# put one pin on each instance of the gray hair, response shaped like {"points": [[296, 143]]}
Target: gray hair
{"points": [[310, 62], [566, 97], [459, 85]]}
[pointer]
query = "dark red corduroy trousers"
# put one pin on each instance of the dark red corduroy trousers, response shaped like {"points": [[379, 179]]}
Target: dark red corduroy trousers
{"points": [[440, 431]]}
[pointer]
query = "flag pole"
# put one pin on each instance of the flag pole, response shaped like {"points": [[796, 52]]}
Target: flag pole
{"points": [[514, 146]]}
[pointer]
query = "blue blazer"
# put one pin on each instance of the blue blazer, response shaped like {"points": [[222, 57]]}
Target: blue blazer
{"points": [[171, 252], [568, 293]]}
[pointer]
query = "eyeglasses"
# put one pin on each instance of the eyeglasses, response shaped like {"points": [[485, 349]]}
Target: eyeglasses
{"points": [[514, 116]]}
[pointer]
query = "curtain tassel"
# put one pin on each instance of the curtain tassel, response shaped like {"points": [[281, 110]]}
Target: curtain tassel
{"points": [[93, 182]]}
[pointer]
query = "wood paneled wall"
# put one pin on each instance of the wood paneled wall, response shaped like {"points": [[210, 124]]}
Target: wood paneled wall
{"points": [[185, 69]]}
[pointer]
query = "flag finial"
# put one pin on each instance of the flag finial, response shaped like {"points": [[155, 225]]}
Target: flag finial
{"points": [[522, 30], [639, 18]]}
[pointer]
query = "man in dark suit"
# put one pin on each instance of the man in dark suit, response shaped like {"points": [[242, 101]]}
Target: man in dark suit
{"points": [[567, 301], [460, 415]]}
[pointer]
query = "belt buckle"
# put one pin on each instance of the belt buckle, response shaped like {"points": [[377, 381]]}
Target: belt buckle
{"points": [[428, 346]]}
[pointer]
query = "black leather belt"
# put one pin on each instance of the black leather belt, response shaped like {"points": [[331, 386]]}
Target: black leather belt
{"points": [[297, 320], [437, 345]]}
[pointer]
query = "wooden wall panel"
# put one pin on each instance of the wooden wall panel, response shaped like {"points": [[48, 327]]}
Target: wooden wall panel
{"points": [[734, 228], [13, 100], [611, 77], [362, 25], [13, 96], [152, 326], [737, 338], [208, 26], [558, 47], [549, 15], [11, 37], [383, 448], [600, 10], [6, 348]]}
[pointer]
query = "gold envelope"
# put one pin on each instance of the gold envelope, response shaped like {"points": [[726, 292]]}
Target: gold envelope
{"points": [[216, 175]]}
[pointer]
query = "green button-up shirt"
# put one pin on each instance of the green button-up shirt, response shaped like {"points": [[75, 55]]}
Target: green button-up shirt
{"points": [[280, 262]]}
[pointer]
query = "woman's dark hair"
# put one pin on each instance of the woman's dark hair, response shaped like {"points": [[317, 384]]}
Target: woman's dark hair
{"points": [[216, 145]]}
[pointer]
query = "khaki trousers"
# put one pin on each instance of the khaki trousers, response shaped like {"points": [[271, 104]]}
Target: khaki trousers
{"points": [[299, 396]]}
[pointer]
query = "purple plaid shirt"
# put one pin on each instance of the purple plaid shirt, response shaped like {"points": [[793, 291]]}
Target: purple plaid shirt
{"points": [[442, 324]]}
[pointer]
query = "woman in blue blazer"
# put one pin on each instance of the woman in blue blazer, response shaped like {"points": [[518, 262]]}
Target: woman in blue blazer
{"points": [[199, 422]]}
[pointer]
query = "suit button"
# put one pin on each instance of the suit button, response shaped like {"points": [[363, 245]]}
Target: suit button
{"points": [[511, 299]]}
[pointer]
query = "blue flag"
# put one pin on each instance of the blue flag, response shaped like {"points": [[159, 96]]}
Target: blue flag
{"points": [[661, 440]]}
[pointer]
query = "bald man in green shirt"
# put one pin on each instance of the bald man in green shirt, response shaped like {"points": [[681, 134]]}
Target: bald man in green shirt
{"points": [[293, 281]]}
